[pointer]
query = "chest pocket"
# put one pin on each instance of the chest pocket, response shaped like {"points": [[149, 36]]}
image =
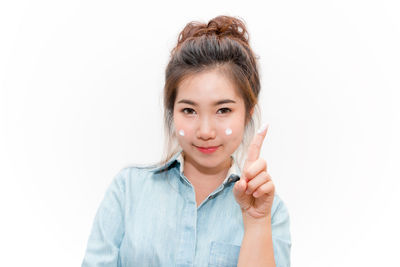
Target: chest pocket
{"points": [[223, 255]]}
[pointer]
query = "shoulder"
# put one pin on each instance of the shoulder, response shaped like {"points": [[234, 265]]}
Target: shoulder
{"points": [[134, 172], [129, 175]]}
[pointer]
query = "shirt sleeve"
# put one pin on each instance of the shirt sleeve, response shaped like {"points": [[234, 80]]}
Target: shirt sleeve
{"points": [[281, 238], [108, 228]]}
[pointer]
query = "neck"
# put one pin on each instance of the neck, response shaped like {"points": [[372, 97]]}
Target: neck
{"points": [[200, 174]]}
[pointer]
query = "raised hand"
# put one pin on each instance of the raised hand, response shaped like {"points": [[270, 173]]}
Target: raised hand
{"points": [[254, 192]]}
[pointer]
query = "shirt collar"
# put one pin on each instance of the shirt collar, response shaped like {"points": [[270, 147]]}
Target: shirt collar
{"points": [[233, 174]]}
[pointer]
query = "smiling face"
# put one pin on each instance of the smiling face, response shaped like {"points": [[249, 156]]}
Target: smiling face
{"points": [[212, 115]]}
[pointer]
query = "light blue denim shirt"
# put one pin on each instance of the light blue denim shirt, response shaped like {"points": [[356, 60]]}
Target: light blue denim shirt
{"points": [[149, 219]]}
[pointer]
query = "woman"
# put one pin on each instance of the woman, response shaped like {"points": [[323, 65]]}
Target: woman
{"points": [[211, 201]]}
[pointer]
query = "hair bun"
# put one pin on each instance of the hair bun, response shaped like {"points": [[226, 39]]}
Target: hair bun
{"points": [[221, 26]]}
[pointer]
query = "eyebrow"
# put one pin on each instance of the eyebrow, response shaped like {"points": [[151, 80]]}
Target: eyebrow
{"points": [[219, 102]]}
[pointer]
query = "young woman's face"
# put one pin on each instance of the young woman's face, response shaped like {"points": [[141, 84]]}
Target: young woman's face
{"points": [[208, 113]]}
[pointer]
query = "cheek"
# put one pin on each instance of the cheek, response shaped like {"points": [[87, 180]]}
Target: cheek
{"points": [[182, 129], [231, 130], [228, 131]]}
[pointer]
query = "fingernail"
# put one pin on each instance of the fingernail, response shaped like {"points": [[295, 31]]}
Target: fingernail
{"points": [[262, 128], [247, 192]]}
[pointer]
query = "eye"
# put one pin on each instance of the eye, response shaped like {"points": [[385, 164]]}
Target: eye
{"points": [[224, 110], [187, 110]]}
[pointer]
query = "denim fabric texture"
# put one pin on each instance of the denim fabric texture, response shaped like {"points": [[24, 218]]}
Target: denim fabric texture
{"points": [[149, 217]]}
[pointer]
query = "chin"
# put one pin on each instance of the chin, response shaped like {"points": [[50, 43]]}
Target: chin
{"points": [[210, 160]]}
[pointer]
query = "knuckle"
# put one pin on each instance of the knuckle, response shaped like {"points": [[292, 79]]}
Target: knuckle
{"points": [[262, 176], [262, 164], [272, 188], [271, 185], [247, 173]]}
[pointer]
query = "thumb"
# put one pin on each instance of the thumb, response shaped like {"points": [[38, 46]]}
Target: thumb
{"points": [[239, 190]]}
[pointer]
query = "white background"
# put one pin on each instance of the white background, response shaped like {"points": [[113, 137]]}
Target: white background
{"points": [[81, 86]]}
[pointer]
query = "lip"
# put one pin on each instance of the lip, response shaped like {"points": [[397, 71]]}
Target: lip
{"points": [[207, 150]]}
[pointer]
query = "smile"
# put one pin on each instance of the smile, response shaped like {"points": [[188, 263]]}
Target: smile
{"points": [[207, 150]]}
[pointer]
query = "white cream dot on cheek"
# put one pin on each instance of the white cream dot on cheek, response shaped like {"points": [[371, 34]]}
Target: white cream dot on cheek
{"points": [[181, 133], [228, 131]]}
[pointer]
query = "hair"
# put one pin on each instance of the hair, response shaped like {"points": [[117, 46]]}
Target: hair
{"points": [[223, 45]]}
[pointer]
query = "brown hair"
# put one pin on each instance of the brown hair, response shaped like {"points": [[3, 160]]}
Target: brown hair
{"points": [[221, 44]]}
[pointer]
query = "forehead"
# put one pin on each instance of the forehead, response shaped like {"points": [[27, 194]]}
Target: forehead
{"points": [[207, 86]]}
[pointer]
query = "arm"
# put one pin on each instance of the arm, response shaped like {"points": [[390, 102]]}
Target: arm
{"points": [[267, 242], [257, 248], [108, 228]]}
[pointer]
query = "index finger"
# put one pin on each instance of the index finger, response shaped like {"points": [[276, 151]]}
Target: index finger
{"points": [[255, 146]]}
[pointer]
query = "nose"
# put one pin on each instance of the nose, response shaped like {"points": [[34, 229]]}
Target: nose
{"points": [[206, 129]]}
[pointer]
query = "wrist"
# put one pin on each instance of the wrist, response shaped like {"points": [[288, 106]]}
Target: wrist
{"points": [[256, 223]]}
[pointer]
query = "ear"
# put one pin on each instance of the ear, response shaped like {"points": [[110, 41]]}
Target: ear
{"points": [[252, 111], [251, 114]]}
